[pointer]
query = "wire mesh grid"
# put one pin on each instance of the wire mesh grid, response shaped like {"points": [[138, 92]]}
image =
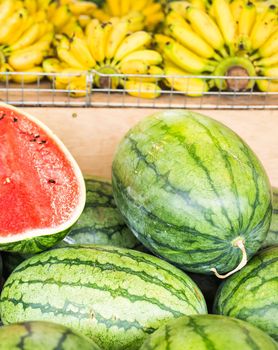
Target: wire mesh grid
{"points": [[47, 90]]}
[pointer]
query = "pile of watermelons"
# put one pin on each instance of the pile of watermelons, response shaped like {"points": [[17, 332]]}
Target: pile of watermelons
{"points": [[188, 226]]}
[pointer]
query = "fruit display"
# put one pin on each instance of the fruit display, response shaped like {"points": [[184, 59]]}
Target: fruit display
{"points": [[251, 294], [202, 332], [272, 236], [194, 47], [188, 188], [115, 296], [42, 336], [36, 169], [216, 215], [101, 222]]}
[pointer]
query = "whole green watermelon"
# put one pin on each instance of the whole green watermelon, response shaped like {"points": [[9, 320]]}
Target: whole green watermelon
{"points": [[42, 336], [252, 293], [192, 190], [115, 296], [272, 235], [208, 332], [101, 221]]}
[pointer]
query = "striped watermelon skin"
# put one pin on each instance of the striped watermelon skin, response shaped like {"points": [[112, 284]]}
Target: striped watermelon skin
{"points": [[252, 293], [208, 332], [115, 296], [101, 221], [189, 187], [272, 235], [42, 336]]}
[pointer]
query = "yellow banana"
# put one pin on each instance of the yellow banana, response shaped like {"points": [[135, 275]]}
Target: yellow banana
{"points": [[181, 80], [186, 59], [117, 35], [135, 21], [28, 76], [52, 65], [264, 26], [270, 47], [77, 87], [125, 6], [236, 7], [26, 23], [154, 74], [175, 18], [267, 61], [100, 15], [28, 38], [151, 9], [142, 89], [245, 23], [134, 67], [267, 85], [6, 9], [178, 7], [67, 57], [61, 16], [270, 72], [151, 22], [114, 7], [80, 50], [12, 24], [160, 41], [206, 27], [186, 36], [225, 21], [149, 57], [97, 42], [68, 74], [31, 6], [84, 20], [22, 60], [131, 43], [72, 28], [139, 5], [81, 7]]}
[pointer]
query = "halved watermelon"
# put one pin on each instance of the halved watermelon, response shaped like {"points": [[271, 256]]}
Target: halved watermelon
{"points": [[42, 188]]}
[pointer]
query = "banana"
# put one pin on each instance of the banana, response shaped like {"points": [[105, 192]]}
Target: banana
{"points": [[12, 24], [270, 72], [178, 7], [190, 86], [22, 61], [132, 43], [134, 67], [185, 59], [226, 22], [28, 76], [270, 47], [139, 5], [151, 22], [28, 38], [81, 7], [26, 23], [125, 6], [267, 85], [52, 65], [174, 18], [142, 89], [267, 61], [117, 35], [6, 9], [79, 49], [83, 20], [236, 6], [191, 40], [100, 15], [67, 57], [148, 57], [264, 26], [31, 6], [66, 75], [114, 7], [77, 87], [135, 21], [61, 16], [151, 9], [97, 43], [245, 23], [206, 28], [160, 41]]}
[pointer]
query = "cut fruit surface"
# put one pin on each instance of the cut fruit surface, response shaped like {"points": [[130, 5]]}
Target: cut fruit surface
{"points": [[42, 188]]}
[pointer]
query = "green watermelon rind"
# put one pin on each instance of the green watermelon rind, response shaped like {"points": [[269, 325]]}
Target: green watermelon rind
{"points": [[114, 296], [27, 243], [169, 213], [43, 335], [208, 332], [272, 235], [252, 293]]}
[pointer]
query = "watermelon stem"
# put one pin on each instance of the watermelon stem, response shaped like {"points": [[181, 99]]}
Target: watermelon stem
{"points": [[240, 244]]}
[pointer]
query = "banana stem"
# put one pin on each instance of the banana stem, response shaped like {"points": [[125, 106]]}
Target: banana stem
{"points": [[240, 244]]}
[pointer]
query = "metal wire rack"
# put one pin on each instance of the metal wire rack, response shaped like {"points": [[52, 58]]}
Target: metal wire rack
{"points": [[44, 92]]}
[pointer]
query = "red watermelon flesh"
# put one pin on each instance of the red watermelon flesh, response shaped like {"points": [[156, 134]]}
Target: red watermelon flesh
{"points": [[41, 191]]}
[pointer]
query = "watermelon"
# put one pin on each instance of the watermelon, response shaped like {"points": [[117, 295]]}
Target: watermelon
{"points": [[115, 296], [252, 293], [42, 188], [192, 191], [208, 332], [272, 236], [101, 222], [42, 336]]}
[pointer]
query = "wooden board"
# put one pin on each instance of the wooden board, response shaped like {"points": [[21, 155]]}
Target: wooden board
{"points": [[92, 134]]}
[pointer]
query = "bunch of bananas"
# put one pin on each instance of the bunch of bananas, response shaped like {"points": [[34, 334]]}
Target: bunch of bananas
{"points": [[108, 48], [25, 40], [151, 11], [221, 38]]}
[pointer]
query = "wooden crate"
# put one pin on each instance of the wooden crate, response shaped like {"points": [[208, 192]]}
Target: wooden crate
{"points": [[92, 134]]}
